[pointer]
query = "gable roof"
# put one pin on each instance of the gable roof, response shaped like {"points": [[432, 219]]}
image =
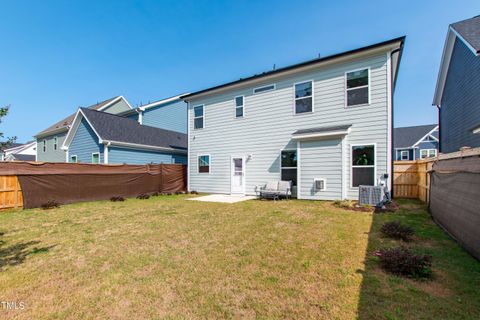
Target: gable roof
{"points": [[24, 157], [64, 124], [467, 31], [407, 137], [396, 43], [118, 130]]}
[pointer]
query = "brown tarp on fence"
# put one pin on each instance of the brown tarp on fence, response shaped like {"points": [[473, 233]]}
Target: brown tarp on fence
{"points": [[455, 200], [70, 183]]}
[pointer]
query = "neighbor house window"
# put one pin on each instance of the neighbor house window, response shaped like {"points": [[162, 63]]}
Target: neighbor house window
{"points": [[55, 143], [198, 116], [428, 153], [44, 147], [304, 97], [204, 164], [96, 158], [239, 101], [357, 87], [405, 155], [73, 159], [270, 87], [363, 165], [288, 166]]}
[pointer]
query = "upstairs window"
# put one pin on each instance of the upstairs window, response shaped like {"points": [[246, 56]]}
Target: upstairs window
{"points": [[288, 166], [204, 164], [44, 147], [55, 143], [304, 97], [363, 165], [198, 117], [357, 87], [428, 153], [239, 101], [269, 87]]}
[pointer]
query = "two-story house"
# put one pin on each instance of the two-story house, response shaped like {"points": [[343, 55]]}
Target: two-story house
{"points": [[416, 142], [325, 119], [457, 94]]}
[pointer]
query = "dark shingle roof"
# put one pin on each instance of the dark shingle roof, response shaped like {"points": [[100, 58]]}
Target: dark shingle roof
{"points": [[65, 123], [112, 127], [406, 137], [24, 157], [469, 29], [323, 129]]}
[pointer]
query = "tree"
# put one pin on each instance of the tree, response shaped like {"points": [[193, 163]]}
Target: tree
{"points": [[8, 143]]}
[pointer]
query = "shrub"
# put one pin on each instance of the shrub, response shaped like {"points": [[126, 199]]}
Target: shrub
{"points": [[115, 199], [396, 230], [143, 197], [193, 192], [403, 261], [50, 205], [156, 194]]}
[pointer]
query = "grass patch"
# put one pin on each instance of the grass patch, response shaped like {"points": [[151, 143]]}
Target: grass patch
{"points": [[166, 257]]}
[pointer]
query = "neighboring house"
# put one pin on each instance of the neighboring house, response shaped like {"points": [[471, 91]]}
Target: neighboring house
{"points": [[418, 142], [51, 139], [169, 114], [457, 94], [100, 137], [327, 119], [20, 152]]}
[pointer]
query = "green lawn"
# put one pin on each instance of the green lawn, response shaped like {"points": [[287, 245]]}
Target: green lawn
{"points": [[170, 258]]}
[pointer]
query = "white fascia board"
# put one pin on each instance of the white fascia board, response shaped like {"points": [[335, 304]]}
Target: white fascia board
{"points": [[73, 130], [320, 134], [429, 133], [444, 64], [469, 46], [142, 146], [164, 101]]}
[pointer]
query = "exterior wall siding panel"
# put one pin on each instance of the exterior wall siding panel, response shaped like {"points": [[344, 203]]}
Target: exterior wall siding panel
{"points": [[51, 155], [85, 143], [171, 116], [118, 155]]}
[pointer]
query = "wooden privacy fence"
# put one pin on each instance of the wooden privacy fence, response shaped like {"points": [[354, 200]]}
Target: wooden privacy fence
{"points": [[411, 179], [10, 193]]}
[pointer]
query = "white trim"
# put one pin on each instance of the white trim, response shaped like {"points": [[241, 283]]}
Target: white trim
{"points": [[44, 145], [389, 122], [140, 117], [402, 153], [114, 101], [203, 116], [188, 147], [236, 107], [142, 146], [281, 167], [476, 130], [370, 166], [160, 102], [321, 134], [95, 153], [428, 134], [75, 124], [67, 159], [105, 153], [244, 173], [273, 85], [344, 168], [428, 153], [299, 173], [295, 99], [209, 163], [469, 46], [70, 158], [369, 86], [55, 143], [324, 184]]}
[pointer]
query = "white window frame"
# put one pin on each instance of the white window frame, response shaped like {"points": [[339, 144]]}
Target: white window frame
{"points": [[476, 130], [402, 153], [237, 107], [281, 168], [428, 153], [55, 143], [95, 153], [346, 88], [312, 96], [44, 147], [209, 163], [202, 116], [273, 85], [374, 161], [73, 156]]}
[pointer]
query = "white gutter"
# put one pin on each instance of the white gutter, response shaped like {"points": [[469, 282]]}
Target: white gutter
{"points": [[157, 103], [142, 146]]}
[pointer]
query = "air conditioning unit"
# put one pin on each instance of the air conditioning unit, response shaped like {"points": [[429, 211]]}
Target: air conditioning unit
{"points": [[372, 195], [320, 184]]}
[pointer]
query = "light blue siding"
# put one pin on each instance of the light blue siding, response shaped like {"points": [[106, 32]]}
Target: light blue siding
{"points": [[133, 116], [425, 145], [171, 116], [84, 143], [118, 155]]}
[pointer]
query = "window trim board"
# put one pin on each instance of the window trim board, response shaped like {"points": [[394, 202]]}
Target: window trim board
{"points": [[95, 153], [345, 89], [203, 116], [374, 144], [295, 99], [236, 107], [209, 163]]}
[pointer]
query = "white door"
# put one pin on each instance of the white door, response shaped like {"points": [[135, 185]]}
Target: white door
{"points": [[238, 175]]}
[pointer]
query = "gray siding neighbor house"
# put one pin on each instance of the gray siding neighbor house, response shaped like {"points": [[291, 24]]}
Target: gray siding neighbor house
{"points": [[325, 119], [417, 142], [457, 94], [50, 140]]}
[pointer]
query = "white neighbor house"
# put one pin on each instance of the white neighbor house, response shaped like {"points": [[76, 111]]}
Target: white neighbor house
{"points": [[326, 119]]}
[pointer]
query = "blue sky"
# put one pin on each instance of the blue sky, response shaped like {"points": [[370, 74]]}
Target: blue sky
{"points": [[58, 55]]}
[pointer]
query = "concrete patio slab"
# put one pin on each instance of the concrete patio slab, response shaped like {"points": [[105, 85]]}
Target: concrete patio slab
{"points": [[223, 198]]}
